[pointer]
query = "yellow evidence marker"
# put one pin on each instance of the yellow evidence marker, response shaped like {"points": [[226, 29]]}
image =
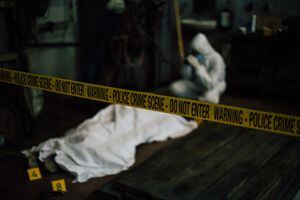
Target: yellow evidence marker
{"points": [[59, 185], [34, 174]]}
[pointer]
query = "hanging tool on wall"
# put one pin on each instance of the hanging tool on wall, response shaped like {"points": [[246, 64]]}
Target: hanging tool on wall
{"points": [[133, 43], [178, 29], [138, 24]]}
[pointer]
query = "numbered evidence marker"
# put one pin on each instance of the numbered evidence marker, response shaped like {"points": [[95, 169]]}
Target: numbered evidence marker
{"points": [[59, 186], [34, 174]]}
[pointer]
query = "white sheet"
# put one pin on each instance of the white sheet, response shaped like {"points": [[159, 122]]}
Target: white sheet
{"points": [[106, 143]]}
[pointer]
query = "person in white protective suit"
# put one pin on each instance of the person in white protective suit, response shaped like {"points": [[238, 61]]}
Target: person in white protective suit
{"points": [[203, 74]]}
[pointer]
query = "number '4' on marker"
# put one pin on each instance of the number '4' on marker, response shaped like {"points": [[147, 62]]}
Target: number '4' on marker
{"points": [[34, 174]]}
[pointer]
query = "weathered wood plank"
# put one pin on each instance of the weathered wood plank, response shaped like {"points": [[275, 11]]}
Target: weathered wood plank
{"points": [[195, 179], [246, 167], [266, 181], [289, 187], [161, 169]]}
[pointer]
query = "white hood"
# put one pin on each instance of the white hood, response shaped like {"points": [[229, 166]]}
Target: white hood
{"points": [[201, 44]]}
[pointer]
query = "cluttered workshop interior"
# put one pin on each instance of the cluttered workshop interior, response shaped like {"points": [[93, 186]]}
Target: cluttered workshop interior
{"points": [[149, 99]]}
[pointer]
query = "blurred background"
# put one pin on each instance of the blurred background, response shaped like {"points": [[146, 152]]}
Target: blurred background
{"points": [[134, 44]]}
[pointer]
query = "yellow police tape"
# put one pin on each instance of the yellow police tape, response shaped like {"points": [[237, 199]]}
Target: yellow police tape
{"points": [[267, 121]]}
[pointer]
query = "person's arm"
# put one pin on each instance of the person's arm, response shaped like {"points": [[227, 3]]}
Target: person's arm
{"points": [[205, 78]]}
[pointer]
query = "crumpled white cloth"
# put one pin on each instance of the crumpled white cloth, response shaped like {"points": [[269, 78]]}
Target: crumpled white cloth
{"points": [[106, 144]]}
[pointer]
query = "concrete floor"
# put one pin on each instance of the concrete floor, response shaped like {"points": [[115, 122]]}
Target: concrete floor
{"points": [[62, 113]]}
